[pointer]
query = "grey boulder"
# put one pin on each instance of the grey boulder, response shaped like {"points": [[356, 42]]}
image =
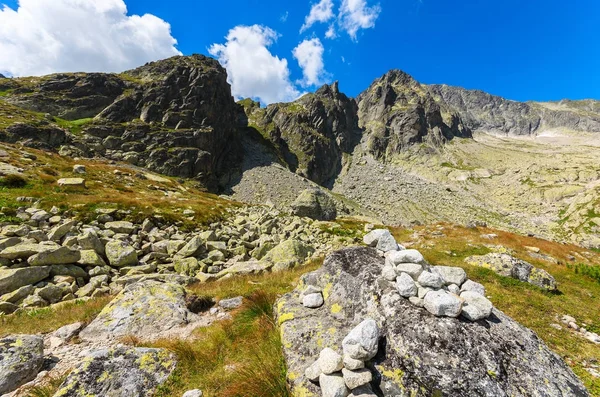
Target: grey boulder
{"points": [[21, 358], [145, 309], [120, 372]]}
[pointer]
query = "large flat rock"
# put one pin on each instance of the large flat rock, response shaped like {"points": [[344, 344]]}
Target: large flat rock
{"points": [[145, 309]]}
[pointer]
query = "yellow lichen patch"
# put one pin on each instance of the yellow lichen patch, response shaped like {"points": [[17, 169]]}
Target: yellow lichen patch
{"points": [[105, 375], [335, 308], [393, 375], [327, 290], [285, 317], [17, 343]]}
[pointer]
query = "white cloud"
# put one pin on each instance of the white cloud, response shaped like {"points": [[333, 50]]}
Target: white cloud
{"points": [[284, 17], [254, 72], [356, 14], [331, 33], [47, 36], [309, 54], [319, 12]]}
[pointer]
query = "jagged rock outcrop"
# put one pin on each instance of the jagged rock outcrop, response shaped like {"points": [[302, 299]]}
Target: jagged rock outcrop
{"points": [[493, 114], [397, 112], [311, 134], [419, 353], [175, 116], [69, 96]]}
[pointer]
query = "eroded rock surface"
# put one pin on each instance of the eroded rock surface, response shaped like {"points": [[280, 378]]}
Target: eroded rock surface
{"points": [[119, 372]]}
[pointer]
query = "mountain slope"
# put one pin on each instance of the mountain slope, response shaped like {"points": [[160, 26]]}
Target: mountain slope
{"points": [[493, 114]]}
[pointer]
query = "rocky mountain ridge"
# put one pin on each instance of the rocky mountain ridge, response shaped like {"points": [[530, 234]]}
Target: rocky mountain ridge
{"points": [[177, 117], [493, 114]]}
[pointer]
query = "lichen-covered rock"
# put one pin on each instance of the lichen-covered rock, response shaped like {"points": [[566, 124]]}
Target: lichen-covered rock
{"points": [[21, 358], [121, 372], [315, 204], [509, 266], [144, 309], [289, 252], [12, 279], [121, 254], [59, 256], [492, 357]]}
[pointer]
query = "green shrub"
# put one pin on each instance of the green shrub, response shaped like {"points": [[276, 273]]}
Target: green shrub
{"points": [[591, 271]]}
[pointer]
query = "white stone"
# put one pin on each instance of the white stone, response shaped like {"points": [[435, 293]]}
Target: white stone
{"points": [[476, 307], [470, 285], [406, 286], [333, 385], [441, 303], [313, 301], [330, 361], [413, 269], [454, 289], [406, 256], [387, 243], [71, 182], [362, 342], [422, 292], [389, 273], [313, 372], [193, 393], [357, 378], [353, 364], [432, 280], [417, 301], [372, 238], [451, 275]]}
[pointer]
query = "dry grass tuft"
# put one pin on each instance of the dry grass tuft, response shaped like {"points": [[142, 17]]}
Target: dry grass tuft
{"points": [[49, 319]]}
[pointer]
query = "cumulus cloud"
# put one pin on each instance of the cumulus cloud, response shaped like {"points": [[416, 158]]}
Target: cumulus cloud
{"points": [[254, 72], [319, 12], [331, 32], [356, 14], [43, 36], [309, 54]]}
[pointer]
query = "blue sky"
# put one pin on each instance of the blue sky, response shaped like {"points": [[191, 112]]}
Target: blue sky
{"points": [[522, 50]]}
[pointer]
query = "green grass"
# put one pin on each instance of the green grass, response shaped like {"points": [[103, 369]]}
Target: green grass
{"points": [[49, 319], [241, 357], [74, 126], [591, 271]]}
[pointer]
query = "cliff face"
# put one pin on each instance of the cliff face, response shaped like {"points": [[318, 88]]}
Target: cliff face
{"points": [[397, 112], [488, 113], [311, 134], [175, 116]]}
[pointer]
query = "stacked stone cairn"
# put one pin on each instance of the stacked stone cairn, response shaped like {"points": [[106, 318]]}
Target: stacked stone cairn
{"points": [[442, 290], [342, 375]]}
